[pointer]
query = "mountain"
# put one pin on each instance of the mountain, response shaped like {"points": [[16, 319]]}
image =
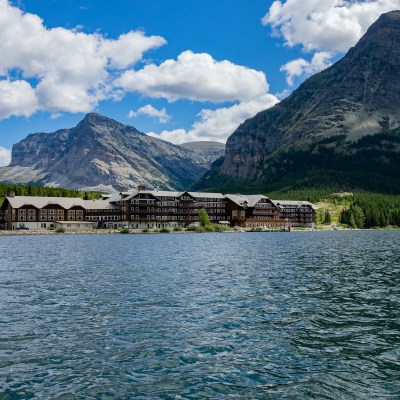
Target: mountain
{"points": [[340, 128], [211, 151], [102, 153]]}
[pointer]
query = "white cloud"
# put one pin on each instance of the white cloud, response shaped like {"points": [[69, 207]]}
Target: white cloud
{"points": [[73, 69], [328, 25], [16, 98], [56, 115], [196, 77], [129, 48], [219, 124], [283, 94], [5, 156], [161, 115], [300, 67]]}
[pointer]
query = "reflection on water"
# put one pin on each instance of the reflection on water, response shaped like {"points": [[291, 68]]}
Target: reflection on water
{"points": [[259, 315]]}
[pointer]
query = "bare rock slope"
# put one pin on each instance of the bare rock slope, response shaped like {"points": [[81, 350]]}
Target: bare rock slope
{"points": [[340, 127], [211, 151], [102, 153]]}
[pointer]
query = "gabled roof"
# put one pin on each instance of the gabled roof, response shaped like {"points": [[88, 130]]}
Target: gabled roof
{"points": [[294, 203], [204, 195], [254, 199], [65, 202], [156, 193], [244, 200], [238, 199], [164, 193], [41, 202], [99, 205]]}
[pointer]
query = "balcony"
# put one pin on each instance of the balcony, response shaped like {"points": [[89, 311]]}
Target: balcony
{"points": [[142, 211]]}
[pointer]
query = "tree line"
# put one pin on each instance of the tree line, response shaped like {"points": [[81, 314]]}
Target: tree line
{"points": [[360, 210], [30, 190], [372, 211]]}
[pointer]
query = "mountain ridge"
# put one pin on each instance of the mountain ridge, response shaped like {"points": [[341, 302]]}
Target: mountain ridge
{"points": [[322, 124], [100, 152]]}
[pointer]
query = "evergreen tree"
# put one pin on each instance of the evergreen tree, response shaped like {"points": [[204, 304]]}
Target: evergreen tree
{"points": [[358, 216], [327, 219], [352, 221], [320, 216]]}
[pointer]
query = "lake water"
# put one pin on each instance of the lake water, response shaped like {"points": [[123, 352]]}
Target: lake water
{"points": [[307, 315]]}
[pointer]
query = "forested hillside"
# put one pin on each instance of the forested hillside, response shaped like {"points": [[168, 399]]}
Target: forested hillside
{"points": [[356, 210], [29, 190]]}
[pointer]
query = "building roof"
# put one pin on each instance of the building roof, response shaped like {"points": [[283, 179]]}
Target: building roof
{"points": [[40, 202], [64, 202], [294, 203], [254, 199], [164, 193], [204, 195], [244, 200], [156, 193], [239, 199], [99, 205]]}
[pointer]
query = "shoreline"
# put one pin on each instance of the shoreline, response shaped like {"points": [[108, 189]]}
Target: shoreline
{"points": [[140, 232]]}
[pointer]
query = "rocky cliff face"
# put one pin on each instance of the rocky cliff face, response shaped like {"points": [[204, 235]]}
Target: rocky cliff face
{"points": [[102, 153], [326, 119], [211, 151]]}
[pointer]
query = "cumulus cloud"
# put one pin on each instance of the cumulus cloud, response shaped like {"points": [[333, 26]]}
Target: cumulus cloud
{"points": [[327, 27], [5, 156], [219, 124], [161, 115], [72, 70], [301, 67], [195, 77], [17, 98]]}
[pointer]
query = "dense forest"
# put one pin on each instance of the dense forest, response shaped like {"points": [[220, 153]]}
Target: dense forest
{"points": [[30, 190], [372, 211], [370, 164], [359, 210]]}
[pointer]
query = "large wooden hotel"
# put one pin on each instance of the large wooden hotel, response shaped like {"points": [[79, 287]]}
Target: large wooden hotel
{"points": [[141, 208]]}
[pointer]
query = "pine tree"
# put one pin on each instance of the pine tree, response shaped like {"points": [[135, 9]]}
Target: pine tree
{"points": [[352, 221], [327, 219], [358, 217]]}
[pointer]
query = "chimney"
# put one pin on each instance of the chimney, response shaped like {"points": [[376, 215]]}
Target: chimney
{"points": [[12, 194], [141, 188]]}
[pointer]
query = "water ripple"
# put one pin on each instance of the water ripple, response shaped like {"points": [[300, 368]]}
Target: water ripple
{"points": [[269, 316]]}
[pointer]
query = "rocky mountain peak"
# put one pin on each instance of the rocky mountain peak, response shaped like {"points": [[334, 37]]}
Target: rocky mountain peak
{"points": [[100, 152], [389, 20], [382, 37], [336, 119], [93, 122]]}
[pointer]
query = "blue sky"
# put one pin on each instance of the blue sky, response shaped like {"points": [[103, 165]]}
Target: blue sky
{"points": [[179, 69]]}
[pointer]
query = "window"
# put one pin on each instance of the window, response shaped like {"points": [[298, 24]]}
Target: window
{"points": [[71, 215], [31, 215], [79, 215], [51, 214], [60, 215], [43, 215], [21, 215]]}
